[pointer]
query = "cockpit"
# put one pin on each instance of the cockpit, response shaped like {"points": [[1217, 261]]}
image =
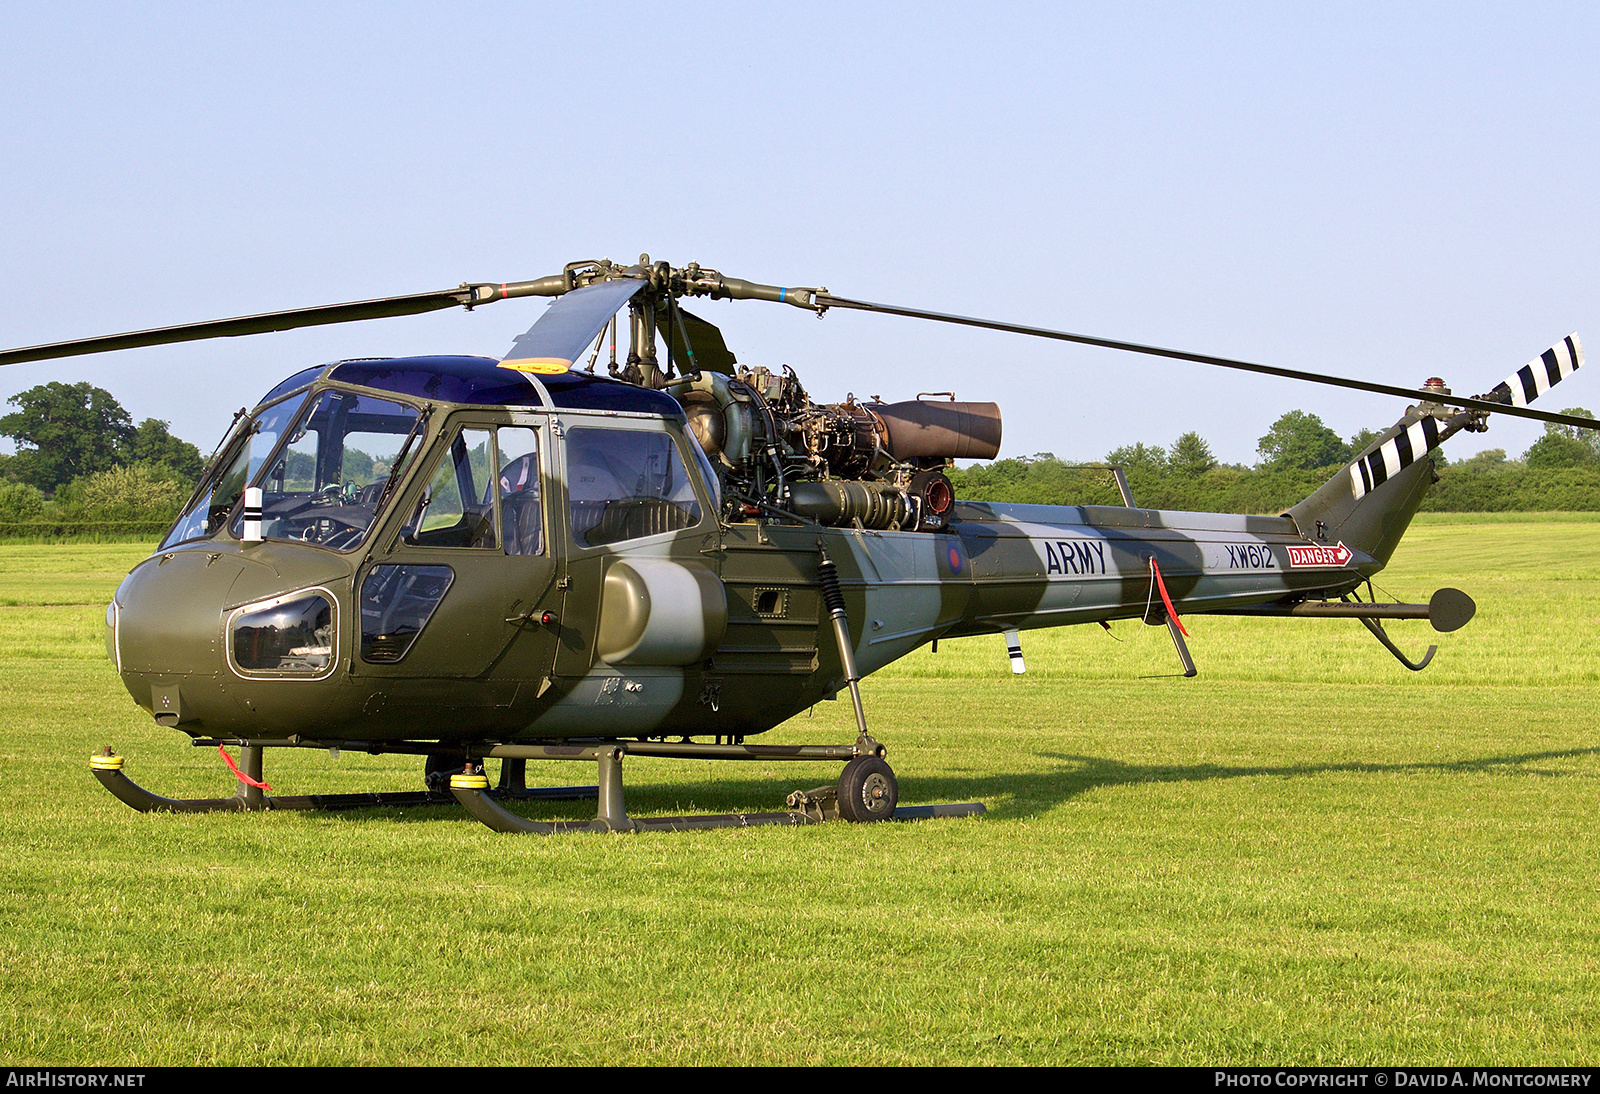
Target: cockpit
{"points": [[329, 459]]}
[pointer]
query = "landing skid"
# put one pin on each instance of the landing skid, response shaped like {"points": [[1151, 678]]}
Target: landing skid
{"points": [[108, 769], [866, 791]]}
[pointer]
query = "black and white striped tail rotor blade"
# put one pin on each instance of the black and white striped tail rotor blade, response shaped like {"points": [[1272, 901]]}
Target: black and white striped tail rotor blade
{"points": [[1395, 455], [1420, 437], [1540, 374]]}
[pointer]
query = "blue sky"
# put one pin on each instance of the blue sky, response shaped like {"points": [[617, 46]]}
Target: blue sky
{"points": [[1390, 192]]}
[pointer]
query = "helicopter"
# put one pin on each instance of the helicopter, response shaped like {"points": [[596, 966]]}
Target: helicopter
{"points": [[469, 558]]}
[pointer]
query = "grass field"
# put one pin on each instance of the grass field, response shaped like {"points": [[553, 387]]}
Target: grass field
{"points": [[1306, 855]]}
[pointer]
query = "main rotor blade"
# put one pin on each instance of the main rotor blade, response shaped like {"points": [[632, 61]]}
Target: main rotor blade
{"points": [[827, 300], [246, 324], [385, 307]]}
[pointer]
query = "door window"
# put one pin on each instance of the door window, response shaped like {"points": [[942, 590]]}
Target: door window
{"points": [[467, 504], [626, 483], [521, 500], [457, 509]]}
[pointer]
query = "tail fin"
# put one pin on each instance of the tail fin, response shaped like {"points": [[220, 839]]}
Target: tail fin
{"points": [[1368, 505]]}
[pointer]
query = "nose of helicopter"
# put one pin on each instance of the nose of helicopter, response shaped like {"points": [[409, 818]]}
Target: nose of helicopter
{"points": [[169, 632]]}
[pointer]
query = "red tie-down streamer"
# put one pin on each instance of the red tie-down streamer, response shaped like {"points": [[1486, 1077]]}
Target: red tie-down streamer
{"points": [[263, 786], [1161, 586]]}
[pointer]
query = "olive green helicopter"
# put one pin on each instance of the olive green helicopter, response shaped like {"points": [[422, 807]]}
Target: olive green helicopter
{"points": [[472, 558]]}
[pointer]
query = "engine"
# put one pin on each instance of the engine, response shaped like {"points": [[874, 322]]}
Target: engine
{"points": [[874, 463]]}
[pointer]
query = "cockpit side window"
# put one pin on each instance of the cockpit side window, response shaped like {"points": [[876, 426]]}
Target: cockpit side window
{"points": [[625, 484], [457, 509], [521, 500], [235, 466]]}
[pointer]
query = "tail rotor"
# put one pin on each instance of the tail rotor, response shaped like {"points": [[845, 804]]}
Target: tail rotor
{"points": [[1411, 441]]}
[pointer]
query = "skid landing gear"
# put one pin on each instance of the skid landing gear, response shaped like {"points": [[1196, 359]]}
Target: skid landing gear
{"points": [[108, 769], [867, 791]]}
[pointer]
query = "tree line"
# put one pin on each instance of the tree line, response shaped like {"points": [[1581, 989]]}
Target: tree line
{"points": [[1559, 471], [81, 462]]}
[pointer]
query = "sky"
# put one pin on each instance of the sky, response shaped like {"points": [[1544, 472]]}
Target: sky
{"points": [[1388, 192]]}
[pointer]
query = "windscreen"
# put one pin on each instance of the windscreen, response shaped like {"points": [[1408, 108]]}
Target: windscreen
{"points": [[323, 482]]}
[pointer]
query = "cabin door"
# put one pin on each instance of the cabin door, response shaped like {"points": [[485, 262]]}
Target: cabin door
{"points": [[463, 589]]}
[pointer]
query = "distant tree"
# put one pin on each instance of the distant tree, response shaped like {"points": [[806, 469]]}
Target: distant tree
{"points": [[361, 468], [19, 501], [1299, 441], [151, 445], [1487, 460], [64, 431], [297, 469], [1040, 479], [1190, 456], [1151, 459], [1362, 438], [1565, 445], [1589, 437], [1558, 450], [130, 493]]}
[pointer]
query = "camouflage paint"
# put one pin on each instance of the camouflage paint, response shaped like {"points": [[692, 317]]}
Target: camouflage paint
{"points": [[488, 668]]}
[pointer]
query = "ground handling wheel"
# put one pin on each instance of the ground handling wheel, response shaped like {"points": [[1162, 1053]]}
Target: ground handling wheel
{"points": [[867, 790]]}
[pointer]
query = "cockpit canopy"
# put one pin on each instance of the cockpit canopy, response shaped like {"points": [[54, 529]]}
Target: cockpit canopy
{"points": [[325, 456]]}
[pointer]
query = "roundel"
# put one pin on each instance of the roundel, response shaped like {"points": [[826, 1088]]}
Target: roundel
{"points": [[955, 558]]}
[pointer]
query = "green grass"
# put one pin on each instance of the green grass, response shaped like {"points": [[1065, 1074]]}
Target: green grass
{"points": [[1507, 518], [1306, 855]]}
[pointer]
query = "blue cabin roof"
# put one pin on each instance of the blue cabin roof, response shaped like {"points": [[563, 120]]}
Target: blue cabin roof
{"points": [[480, 381]]}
